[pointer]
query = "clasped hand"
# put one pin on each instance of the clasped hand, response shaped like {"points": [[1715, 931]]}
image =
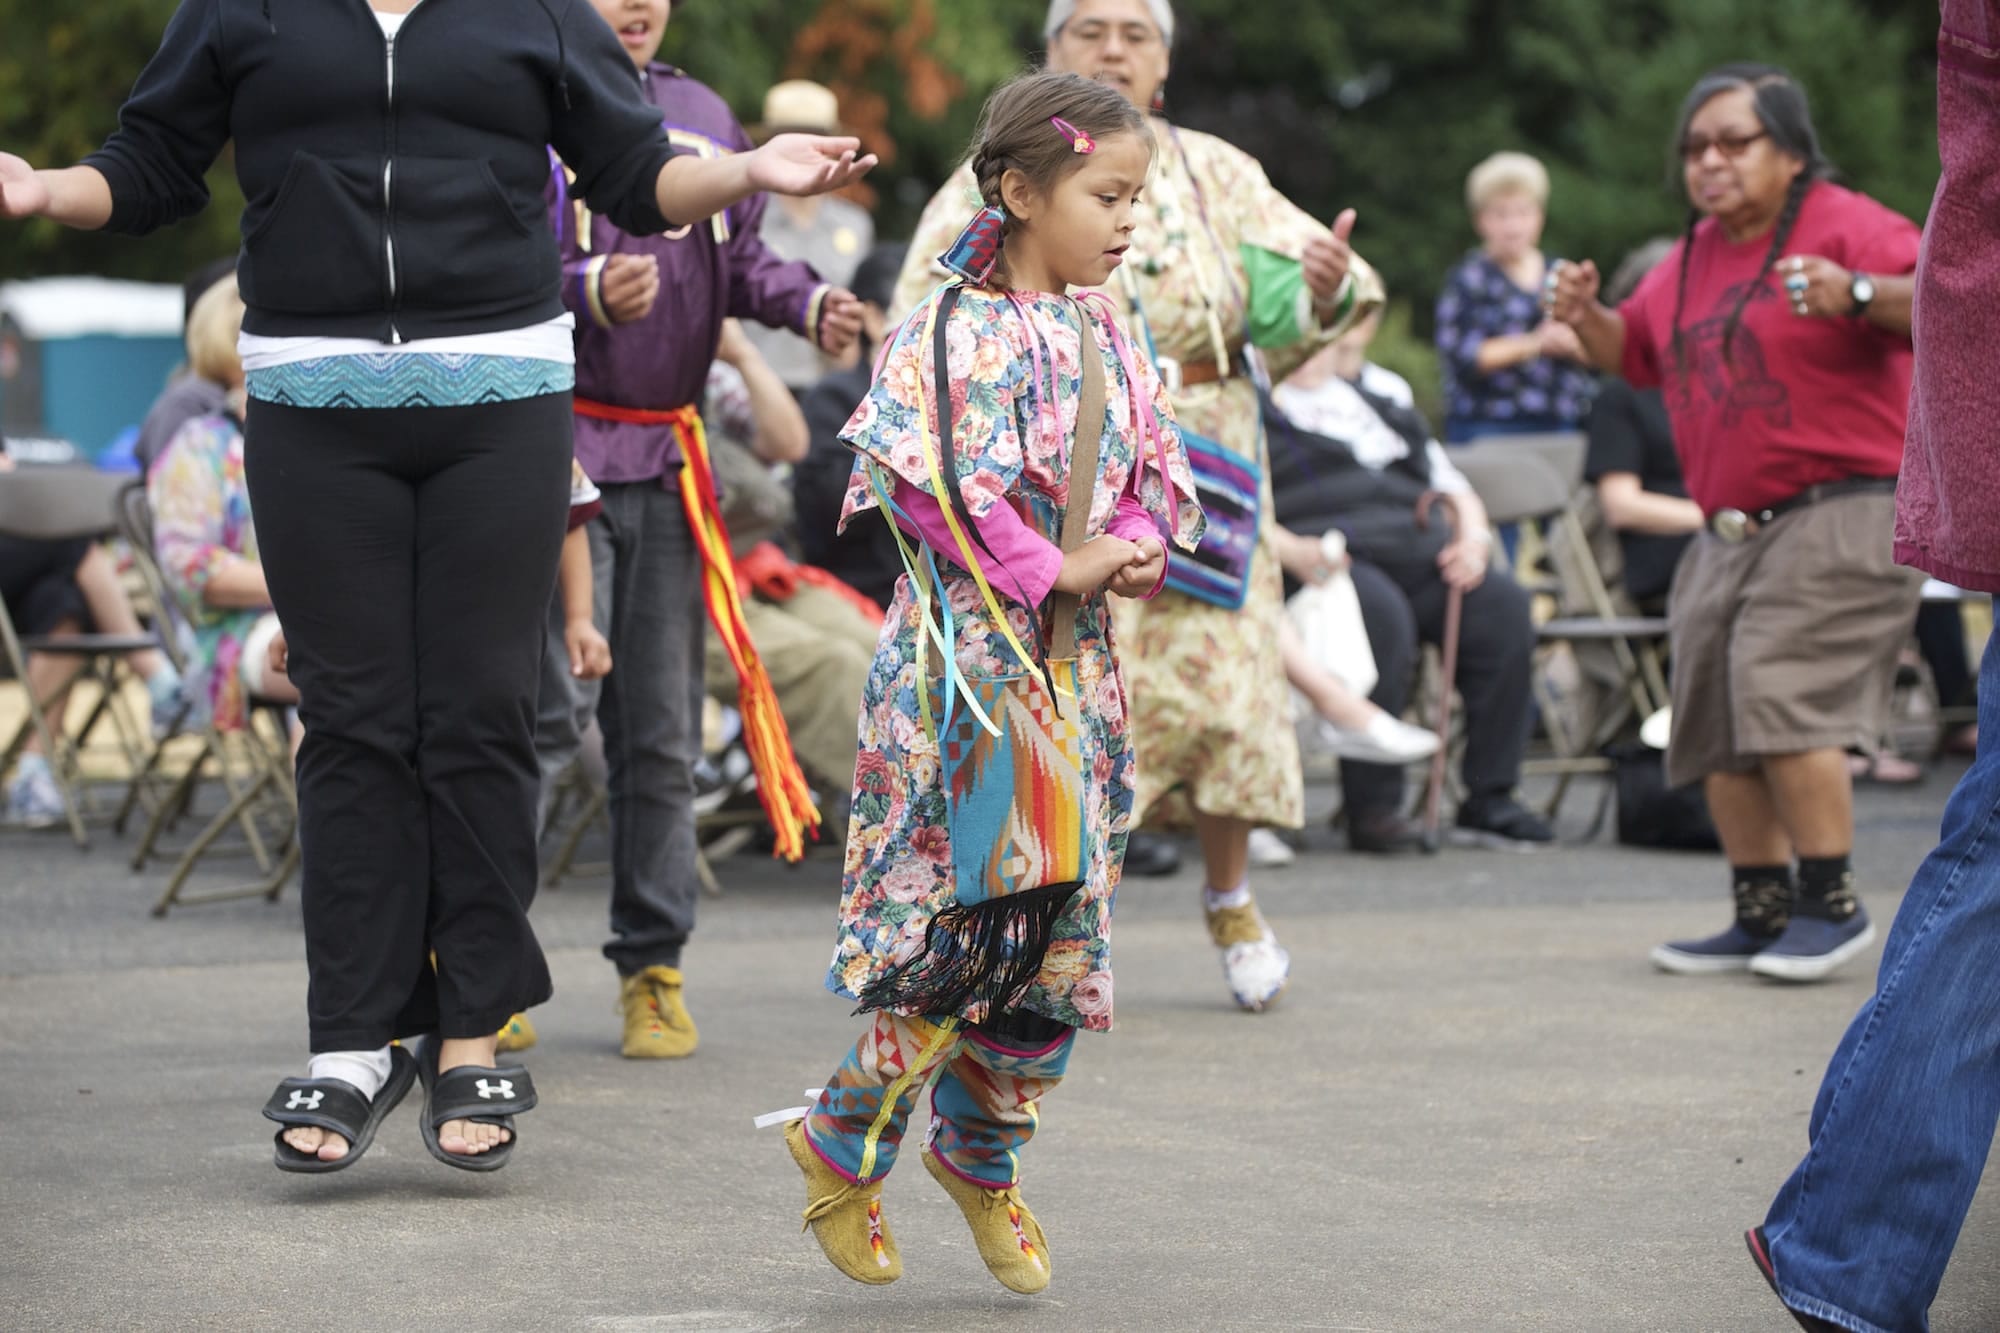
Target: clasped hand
{"points": [[1130, 569]]}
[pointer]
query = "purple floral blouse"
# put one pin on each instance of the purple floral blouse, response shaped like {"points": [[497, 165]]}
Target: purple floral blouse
{"points": [[1479, 301]]}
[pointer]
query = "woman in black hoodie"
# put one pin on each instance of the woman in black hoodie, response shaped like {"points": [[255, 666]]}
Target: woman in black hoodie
{"points": [[408, 452]]}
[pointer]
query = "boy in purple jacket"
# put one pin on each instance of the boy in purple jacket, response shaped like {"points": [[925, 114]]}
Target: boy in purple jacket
{"points": [[649, 312]]}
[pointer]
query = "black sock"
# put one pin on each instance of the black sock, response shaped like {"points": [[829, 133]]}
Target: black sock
{"points": [[1822, 876], [1763, 897]]}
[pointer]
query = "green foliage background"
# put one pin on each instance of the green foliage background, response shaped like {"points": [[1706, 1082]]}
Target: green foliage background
{"points": [[1381, 107]]}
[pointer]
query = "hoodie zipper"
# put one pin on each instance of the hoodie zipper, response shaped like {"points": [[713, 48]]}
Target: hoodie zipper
{"points": [[389, 185]]}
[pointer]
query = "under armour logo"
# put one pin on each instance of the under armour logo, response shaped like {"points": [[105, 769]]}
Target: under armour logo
{"points": [[305, 1101], [504, 1088]]}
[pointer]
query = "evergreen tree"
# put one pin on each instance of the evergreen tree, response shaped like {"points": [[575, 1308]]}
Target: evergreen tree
{"points": [[1382, 108]]}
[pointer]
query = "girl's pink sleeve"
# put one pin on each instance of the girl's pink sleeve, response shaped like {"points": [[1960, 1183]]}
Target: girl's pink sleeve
{"points": [[1028, 561], [1134, 522]]}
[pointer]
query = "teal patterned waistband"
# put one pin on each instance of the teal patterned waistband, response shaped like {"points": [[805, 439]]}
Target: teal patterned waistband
{"points": [[409, 379]]}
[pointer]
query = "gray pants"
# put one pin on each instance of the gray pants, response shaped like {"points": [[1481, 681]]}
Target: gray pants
{"points": [[646, 578]]}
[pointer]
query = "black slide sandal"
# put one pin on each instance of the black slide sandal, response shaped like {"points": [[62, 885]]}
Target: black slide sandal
{"points": [[490, 1096], [335, 1105]]}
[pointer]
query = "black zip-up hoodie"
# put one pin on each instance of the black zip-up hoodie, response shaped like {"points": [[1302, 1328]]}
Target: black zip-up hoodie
{"points": [[394, 190]]}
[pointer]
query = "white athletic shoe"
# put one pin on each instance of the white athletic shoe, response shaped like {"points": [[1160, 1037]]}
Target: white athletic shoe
{"points": [[1267, 849], [1385, 740]]}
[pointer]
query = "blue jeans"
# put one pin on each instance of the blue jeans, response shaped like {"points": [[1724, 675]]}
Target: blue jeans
{"points": [[1861, 1233]]}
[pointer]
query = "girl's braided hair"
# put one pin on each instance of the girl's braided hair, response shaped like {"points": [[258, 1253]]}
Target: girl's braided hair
{"points": [[1016, 130]]}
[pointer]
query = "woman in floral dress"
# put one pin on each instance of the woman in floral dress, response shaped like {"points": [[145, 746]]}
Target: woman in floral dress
{"points": [[1216, 245]]}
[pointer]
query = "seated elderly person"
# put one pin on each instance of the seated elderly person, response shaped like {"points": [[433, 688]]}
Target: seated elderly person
{"points": [[816, 636], [1350, 451], [1508, 368], [63, 589], [207, 546]]}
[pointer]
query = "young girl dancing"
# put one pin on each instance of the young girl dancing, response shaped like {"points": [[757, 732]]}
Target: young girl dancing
{"points": [[1032, 471]]}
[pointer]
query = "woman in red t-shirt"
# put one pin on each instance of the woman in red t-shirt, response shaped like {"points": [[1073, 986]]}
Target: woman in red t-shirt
{"points": [[1779, 330]]}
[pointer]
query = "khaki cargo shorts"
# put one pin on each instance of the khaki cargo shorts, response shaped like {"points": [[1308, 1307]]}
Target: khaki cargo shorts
{"points": [[1787, 641]]}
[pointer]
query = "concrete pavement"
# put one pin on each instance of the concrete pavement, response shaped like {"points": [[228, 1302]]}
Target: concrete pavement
{"points": [[1477, 1108]]}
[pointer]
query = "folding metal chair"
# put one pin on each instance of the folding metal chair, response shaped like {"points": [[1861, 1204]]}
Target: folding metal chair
{"points": [[63, 504], [252, 764], [1539, 478]]}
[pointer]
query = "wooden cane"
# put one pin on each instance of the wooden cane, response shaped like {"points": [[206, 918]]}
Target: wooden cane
{"points": [[1454, 605]]}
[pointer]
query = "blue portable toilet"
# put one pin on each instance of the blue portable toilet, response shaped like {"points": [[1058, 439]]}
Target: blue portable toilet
{"points": [[82, 359]]}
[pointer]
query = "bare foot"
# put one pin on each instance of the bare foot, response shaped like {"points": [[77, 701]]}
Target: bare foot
{"points": [[468, 1138], [316, 1142]]}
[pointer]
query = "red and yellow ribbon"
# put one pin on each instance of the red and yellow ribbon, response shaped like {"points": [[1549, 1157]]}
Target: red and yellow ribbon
{"points": [[781, 786]]}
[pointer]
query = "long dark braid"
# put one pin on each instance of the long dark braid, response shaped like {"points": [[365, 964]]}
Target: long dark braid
{"points": [[1795, 197], [1681, 291]]}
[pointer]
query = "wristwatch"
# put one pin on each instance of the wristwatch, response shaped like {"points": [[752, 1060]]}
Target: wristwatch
{"points": [[1861, 290]]}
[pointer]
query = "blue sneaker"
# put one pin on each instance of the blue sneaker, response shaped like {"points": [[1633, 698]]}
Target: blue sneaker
{"points": [[1731, 951], [1813, 945], [33, 798], [168, 701]]}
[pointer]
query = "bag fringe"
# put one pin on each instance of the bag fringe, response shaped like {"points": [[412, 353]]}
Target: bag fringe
{"points": [[984, 953]]}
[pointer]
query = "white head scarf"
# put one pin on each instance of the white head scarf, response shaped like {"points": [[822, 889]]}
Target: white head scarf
{"points": [[1061, 10]]}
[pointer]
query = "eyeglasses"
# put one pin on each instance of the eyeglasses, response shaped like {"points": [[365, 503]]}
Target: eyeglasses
{"points": [[1097, 33], [1732, 146]]}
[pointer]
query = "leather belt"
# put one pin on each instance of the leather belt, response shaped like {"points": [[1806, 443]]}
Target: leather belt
{"points": [[1738, 525], [1178, 375]]}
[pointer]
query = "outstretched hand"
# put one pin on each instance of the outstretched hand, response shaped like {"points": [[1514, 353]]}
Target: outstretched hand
{"points": [[808, 164], [22, 193], [1327, 258]]}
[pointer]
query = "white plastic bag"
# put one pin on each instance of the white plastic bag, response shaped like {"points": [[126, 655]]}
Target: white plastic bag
{"points": [[1328, 618]]}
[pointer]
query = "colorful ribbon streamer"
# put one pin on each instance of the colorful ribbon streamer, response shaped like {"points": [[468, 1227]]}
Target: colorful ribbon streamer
{"points": [[781, 785]]}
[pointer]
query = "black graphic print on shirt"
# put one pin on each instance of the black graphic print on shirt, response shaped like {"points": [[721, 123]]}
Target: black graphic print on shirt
{"points": [[1743, 383]]}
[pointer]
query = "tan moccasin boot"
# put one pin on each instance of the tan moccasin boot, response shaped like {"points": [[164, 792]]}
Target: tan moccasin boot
{"points": [[1254, 964], [518, 1035], [1010, 1240], [845, 1218], [657, 1025]]}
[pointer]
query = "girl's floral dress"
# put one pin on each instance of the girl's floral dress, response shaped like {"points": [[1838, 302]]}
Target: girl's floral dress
{"points": [[1012, 441], [1217, 741]]}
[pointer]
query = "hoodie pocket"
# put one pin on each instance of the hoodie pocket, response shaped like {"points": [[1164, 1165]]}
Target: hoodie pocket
{"points": [[315, 246], [459, 237]]}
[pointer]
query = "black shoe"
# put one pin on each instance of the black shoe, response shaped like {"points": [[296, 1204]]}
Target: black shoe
{"points": [[1501, 821], [1385, 833], [1151, 855], [1760, 1254]]}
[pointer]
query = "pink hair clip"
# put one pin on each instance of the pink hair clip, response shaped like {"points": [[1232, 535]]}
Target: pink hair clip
{"points": [[1078, 140]]}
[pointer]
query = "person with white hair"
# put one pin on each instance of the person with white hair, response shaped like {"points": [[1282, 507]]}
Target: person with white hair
{"points": [[1508, 368], [1220, 263]]}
